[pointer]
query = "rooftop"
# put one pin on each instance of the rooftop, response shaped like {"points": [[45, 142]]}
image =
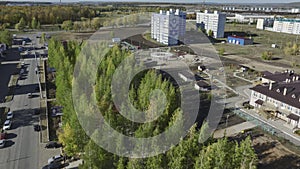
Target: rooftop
{"points": [[239, 37], [281, 77], [288, 20], [288, 93]]}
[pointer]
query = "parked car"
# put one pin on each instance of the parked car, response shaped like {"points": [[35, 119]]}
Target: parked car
{"points": [[9, 115], [56, 111], [2, 143], [48, 36], [55, 159], [37, 89], [7, 125], [56, 165], [57, 114], [36, 112], [29, 95], [53, 144], [37, 127]]}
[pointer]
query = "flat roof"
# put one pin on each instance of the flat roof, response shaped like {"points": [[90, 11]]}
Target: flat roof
{"points": [[239, 37]]}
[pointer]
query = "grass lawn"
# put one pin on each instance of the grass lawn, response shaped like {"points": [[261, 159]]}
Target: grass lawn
{"points": [[262, 42]]}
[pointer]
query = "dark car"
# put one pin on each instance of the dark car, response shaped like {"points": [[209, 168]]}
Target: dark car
{"points": [[53, 145], [37, 127], [36, 112]]}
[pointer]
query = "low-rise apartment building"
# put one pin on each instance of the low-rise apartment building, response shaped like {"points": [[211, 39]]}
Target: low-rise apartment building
{"points": [[279, 95], [284, 25]]}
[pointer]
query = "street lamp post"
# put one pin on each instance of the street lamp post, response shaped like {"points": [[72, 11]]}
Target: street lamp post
{"points": [[227, 120]]}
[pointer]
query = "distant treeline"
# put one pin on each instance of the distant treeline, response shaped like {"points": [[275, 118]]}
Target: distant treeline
{"points": [[55, 14]]}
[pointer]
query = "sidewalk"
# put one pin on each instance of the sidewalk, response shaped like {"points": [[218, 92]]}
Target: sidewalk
{"points": [[234, 130]]}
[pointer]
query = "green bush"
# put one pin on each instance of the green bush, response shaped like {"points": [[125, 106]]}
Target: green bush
{"points": [[267, 55]]}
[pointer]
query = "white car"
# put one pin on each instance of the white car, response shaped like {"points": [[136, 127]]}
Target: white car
{"points": [[9, 115], [56, 158], [2, 143], [7, 125]]}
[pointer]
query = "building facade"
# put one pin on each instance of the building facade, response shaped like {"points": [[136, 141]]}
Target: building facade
{"points": [[280, 98], [168, 26], [251, 18], [239, 40], [212, 21], [291, 26], [264, 23]]}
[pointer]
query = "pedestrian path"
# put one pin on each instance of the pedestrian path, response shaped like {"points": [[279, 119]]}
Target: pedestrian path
{"points": [[234, 130]]}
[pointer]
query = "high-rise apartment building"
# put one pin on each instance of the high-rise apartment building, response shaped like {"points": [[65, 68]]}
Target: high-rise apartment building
{"points": [[212, 21], [168, 26]]}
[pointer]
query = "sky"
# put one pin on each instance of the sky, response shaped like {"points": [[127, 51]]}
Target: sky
{"points": [[192, 1]]}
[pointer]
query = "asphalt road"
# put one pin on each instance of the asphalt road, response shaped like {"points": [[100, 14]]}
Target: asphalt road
{"points": [[22, 145], [7, 68]]}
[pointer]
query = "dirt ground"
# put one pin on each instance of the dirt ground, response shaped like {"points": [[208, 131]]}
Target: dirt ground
{"points": [[273, 155], [139, 40]]}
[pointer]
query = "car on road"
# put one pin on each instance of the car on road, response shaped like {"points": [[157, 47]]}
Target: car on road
{"points": [[2, 143], [7, 125], [9, 115], [53, 144], [55, 159]]}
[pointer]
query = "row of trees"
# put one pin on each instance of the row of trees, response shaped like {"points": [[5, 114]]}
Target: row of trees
{"points": [[97, 22], [6, 37], [11, 15], [22, 24], [292, 49], [189, 153]]}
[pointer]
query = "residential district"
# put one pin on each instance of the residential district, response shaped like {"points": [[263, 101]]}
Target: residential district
{"points": [[243, 60]]}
